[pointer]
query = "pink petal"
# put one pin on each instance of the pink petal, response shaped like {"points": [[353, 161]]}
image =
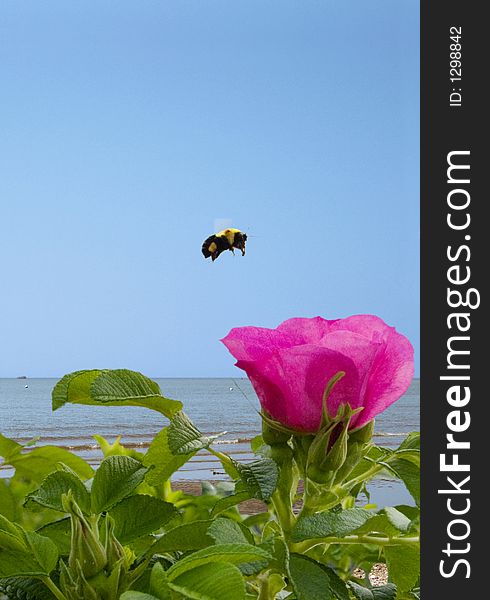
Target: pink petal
{"points": [[290, 383], [305, 331], [390, 376], [361, 351], [254, 343], [369, 326]]}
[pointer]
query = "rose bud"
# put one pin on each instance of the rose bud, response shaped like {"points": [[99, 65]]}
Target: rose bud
{"points": [[86, 550]]}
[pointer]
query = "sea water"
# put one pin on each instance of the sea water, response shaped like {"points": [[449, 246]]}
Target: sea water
{"points": [[220, 405]]}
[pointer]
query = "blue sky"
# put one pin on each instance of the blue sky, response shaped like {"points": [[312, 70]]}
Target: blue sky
{"points": [[127, 128]]}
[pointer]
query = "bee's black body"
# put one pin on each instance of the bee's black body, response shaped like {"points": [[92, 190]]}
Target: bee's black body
{"points": [[228, 239]]}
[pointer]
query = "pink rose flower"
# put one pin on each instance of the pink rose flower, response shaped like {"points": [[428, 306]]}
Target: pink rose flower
{"points": [[291, 365]]}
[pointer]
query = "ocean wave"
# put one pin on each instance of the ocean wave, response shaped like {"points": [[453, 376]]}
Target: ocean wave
{"points": [[235, 441], [143, 441], [390, 434]]}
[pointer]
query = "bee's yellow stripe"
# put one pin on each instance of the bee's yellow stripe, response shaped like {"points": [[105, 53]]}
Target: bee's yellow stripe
{"points": [[229, 234]]}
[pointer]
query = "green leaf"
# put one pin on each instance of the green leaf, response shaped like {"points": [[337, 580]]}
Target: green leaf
{"points": [[225, 531], [388, 521], [115, 479], [275, 584], [11, 536], [25, 588], [403, 565], [184, 437], [119, 387], [229, 501], [411, 512], [132, 595], [228, 464], [140, 515], [230, 553], [8, 447], [280, 554], [116, 448], [59, 395], [7, 500], [10, 542], [256, 443], [412, 442], [54, 486], [10, 528], [409, 473], [214, 581], [314, 581], [414, 527], [379, 524], [328, 523], [160, 457], [189, 536], [25, 552], [58, 532], [412, 456], [15, 563], [260, 477], [397, 519], [159, 583], [39, 462], [383, 592], [43, 549]]}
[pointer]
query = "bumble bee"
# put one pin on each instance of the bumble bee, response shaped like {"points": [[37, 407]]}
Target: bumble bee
{"points": [[228, 239]]}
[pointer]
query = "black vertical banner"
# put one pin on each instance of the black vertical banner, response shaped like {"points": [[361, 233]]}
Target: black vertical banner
{"points": [[455, 165]]}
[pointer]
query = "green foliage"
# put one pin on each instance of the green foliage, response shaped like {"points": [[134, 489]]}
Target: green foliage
{"points": [[119, 387], [189, 536], [115, 479], [382, 592], [37, 463], [140, 515], [123, 533], [407, 468], [259, 477], [226, 531], [56, 484], [403, 566], [184, 437], [25, 552], [7, 501], [58, 532], [213, 581], [231, 553], [329, 523], [314, 581], [223, 504], [25, 588], [160, 458]]}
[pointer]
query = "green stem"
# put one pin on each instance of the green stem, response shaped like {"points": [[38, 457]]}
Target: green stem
{"points": [[54, 589], [372, 539], [365, 476], [315, 497], [302, 547], [283, 512], [163, 490]]}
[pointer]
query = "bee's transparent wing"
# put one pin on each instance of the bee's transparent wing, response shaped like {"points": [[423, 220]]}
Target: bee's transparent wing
{"points": [[222, 223]]}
